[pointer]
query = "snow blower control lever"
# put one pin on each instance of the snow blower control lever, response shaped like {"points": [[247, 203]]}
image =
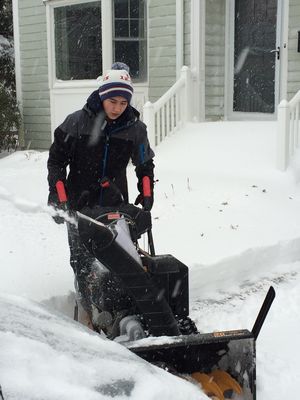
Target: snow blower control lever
{"points": [[62, 197], [263, 312]]}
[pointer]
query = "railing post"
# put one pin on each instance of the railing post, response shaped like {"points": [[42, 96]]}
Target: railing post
{"points": [[283, 135], [149, 120], [187, 98]]}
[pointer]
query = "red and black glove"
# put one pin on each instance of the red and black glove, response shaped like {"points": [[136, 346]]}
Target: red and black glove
{"points": [[146, 196]]}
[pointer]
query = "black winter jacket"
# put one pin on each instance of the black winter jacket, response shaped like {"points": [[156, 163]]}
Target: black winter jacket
{"points": [[94, 148]]}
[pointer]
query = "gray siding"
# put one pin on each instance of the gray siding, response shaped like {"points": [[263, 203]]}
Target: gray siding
{"points": [[187, 33], [293, 56], [214, 59], [162, 46], [34, 73]]}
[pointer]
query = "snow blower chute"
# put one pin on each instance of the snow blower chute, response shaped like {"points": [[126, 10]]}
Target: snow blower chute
{"points": [[149, 310]]}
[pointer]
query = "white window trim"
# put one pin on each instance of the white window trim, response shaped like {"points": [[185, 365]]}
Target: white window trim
{"points": [[15, 6], [107, 36], [284, 49]]}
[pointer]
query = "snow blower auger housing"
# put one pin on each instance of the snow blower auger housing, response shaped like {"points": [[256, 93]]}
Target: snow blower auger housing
{"points": [[156, 326]]}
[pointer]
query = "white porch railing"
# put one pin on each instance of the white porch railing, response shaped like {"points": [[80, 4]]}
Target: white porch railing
{"points": [[288, 130], [171, 111]]}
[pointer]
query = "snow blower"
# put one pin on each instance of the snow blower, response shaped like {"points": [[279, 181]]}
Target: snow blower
{"points": [[143, 303]]}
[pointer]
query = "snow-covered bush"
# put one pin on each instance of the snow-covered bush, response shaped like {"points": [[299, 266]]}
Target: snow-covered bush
{"points": [[9, 113], [9, 120]]}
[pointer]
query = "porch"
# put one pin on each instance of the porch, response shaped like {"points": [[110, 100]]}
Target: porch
{"points": [[174, 110]]}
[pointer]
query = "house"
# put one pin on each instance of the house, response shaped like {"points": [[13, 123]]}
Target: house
{"points": [[244, 55]]}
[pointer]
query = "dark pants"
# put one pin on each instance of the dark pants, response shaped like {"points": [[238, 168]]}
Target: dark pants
{"points": [[96, 286]]}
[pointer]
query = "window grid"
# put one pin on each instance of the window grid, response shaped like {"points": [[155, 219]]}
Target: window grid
{"points": [[129, 36]]}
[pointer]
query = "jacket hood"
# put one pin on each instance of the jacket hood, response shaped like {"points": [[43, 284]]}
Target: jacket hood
{"points": [[94, 102]]}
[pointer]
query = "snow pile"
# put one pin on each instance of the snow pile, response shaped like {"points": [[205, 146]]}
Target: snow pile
{"points": [[79, 364]]}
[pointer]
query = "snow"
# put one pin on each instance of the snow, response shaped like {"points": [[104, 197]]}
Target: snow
{"points": [[48, 357], [221, 207]]}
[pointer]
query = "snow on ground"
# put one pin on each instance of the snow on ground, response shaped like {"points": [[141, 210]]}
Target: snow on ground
{"points": [[221, 207]]}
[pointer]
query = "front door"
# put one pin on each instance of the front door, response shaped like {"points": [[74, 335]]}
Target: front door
{"points": [[255, 56]]}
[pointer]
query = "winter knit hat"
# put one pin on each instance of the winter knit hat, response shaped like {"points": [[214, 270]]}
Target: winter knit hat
{"points": [[116, 83]]}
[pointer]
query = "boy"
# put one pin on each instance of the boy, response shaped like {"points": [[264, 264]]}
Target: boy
{"points": [[96, 143]]}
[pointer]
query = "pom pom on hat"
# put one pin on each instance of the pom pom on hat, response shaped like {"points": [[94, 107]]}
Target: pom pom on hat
{"points": [[116, 82], [120, 65]]}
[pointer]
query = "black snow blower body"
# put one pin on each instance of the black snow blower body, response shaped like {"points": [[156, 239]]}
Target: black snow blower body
{"points": [[152, 317]]}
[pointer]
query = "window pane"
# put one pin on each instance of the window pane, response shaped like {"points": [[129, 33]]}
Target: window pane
{"points": [[121, 8], [134, 28], [78, 49], [135, 9], [121, 28], [133, 53]]}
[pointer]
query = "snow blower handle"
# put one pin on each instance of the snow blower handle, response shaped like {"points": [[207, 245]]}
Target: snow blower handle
{"points": [[61, 192], [147, 196], [263, 312]]}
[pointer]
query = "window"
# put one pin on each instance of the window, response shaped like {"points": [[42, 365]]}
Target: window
{"points": [[129, 36], [78, 50], [78, 37]]}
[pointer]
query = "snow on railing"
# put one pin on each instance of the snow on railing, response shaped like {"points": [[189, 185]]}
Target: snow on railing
{"points": [[288, 130], [171, 111]]}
